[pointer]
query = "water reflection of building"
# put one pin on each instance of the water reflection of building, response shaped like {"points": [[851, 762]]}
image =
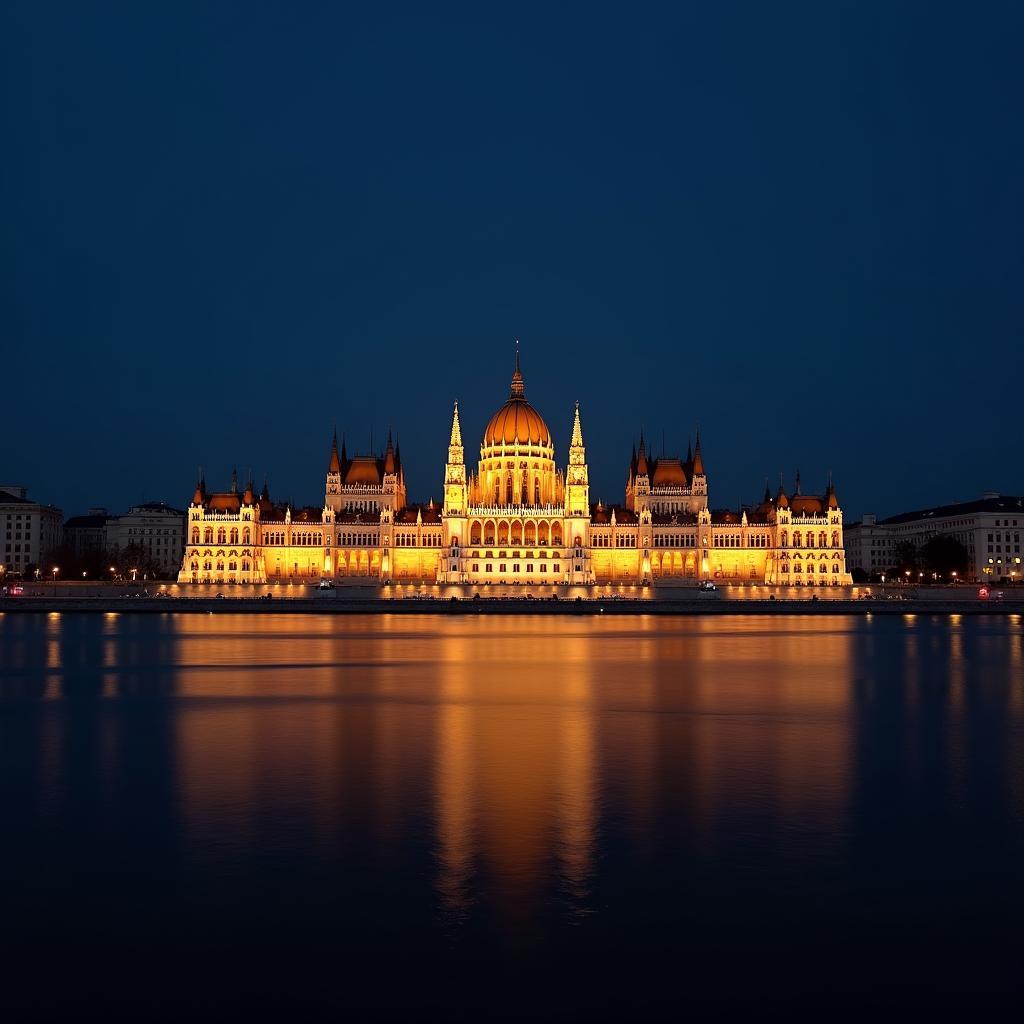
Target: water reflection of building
{"points": [[515, 766]]}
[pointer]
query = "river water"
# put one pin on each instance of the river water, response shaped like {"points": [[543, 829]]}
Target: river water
{"points": [[434, 817]]}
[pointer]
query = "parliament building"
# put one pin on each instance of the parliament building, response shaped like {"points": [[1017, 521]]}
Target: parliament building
{"points": [[518, 519]]}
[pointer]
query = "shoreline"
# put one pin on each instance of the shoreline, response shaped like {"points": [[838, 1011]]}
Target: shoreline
{"points": [[337, 605]]}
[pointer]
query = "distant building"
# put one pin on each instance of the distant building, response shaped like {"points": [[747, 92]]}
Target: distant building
{"points": [[30, 531], [989, 529], [87, 535], [158, 530], [869, 546]]}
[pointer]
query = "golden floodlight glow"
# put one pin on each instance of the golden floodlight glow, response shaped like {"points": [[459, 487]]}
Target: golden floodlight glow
{"points": [[517, 518]]}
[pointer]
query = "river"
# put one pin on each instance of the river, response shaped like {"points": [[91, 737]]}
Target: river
{"points": [[458, 817]]}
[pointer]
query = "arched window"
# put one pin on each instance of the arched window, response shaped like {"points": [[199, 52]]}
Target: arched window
{"points": [[222, 535], [835, 538], [536, 490], [245, 535], [508, 489], [208, 535], [195, 534], [234, 534], [497, 491], [784, 540], [797, 538]]}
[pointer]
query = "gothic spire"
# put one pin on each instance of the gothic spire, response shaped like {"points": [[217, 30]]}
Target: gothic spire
{"points": [[389, 455], [577, 430], [698, 461], [456, 438], [335, 464]]}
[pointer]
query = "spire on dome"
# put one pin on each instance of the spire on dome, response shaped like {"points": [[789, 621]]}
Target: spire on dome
{"points": [[335, 464], [518, 388]]}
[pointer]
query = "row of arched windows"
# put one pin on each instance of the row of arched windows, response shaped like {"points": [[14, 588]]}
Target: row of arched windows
{"points": [[529, 533], [799, 537], [208, 566], [675, 540], [357, 539], [223, 535]]}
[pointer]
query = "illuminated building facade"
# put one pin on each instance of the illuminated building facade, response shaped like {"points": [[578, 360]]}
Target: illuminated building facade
{"points": [[517, 519]]}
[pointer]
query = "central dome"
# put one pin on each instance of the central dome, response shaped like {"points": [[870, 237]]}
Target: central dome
{"points": [[517, 422]]}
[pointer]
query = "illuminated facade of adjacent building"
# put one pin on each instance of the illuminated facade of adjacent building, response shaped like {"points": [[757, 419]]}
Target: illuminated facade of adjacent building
{"points": [[517, 519]]}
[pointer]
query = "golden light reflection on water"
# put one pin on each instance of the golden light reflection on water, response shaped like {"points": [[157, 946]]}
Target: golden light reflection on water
{"points": [[511, 743], [520, 733]]}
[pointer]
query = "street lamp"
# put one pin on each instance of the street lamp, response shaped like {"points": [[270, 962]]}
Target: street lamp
{"points": [[135, 573], [55, 570]]}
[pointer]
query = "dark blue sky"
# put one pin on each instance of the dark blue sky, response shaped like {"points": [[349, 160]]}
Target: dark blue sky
{"points": [[227, 227]]}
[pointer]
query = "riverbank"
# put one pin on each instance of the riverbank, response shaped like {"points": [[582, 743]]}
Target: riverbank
{"points": [[337, 603]]}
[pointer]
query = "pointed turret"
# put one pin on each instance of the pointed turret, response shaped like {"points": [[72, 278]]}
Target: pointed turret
{"points": [[265, 493], [641, 457], [249, 498], [456, 437], [830, 494], [389, 456], [577, 430], [577, 489], [797, 492], [698, 460], [767, 492], [344, 454], [234, 480], [689, 452], [456, 496], [334, 466], [199, 497], [781, 499]]}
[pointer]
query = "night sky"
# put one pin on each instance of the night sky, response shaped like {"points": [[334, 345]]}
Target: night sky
{"points": [[226, 228]]}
